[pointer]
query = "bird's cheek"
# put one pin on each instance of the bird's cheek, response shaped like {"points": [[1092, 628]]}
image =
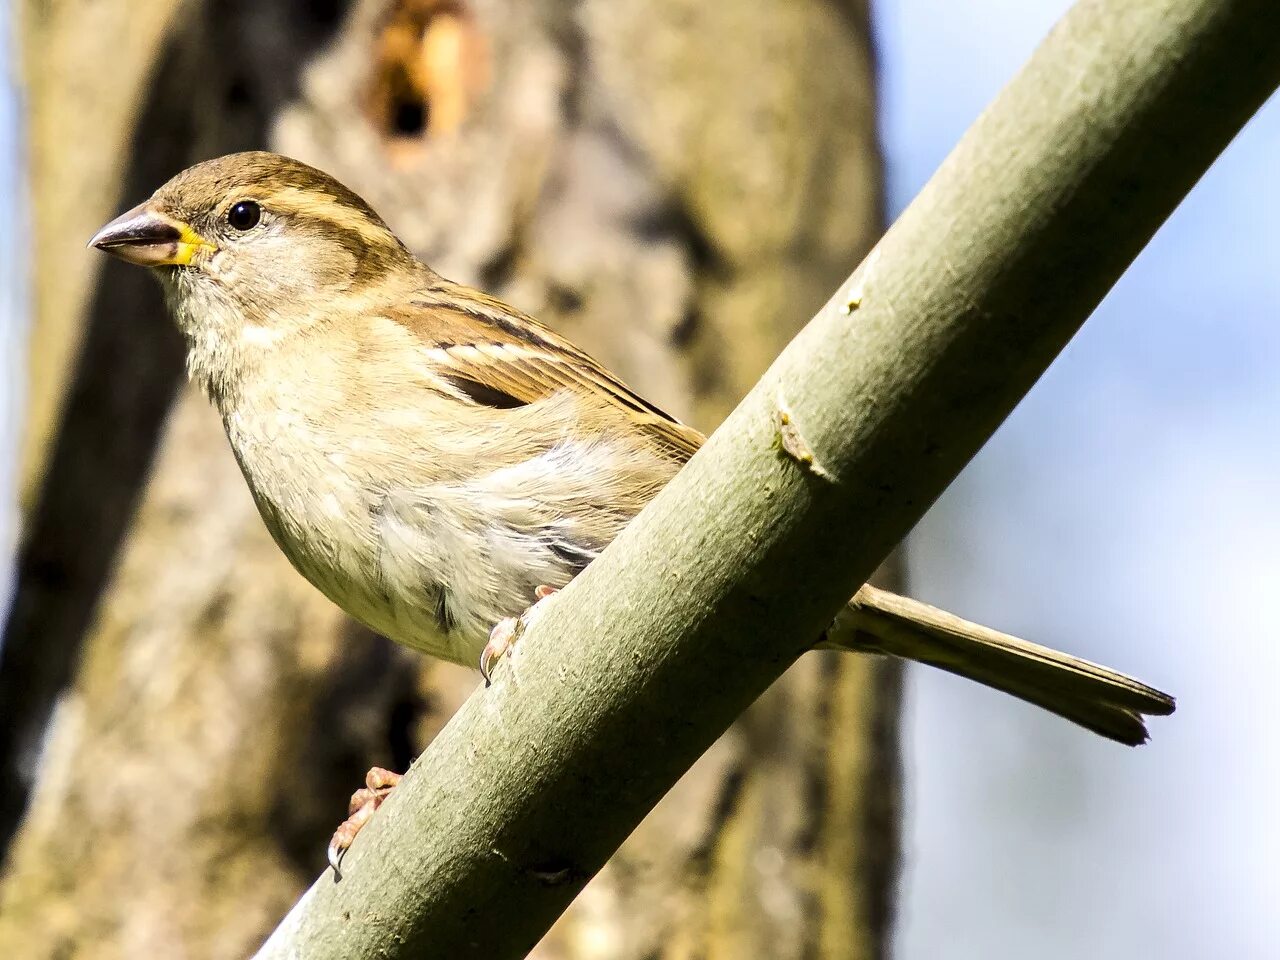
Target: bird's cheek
{"points": [[226, 270], [217, 263]]}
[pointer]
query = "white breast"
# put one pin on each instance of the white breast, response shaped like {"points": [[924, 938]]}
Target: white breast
{"points": [[430, 558]]}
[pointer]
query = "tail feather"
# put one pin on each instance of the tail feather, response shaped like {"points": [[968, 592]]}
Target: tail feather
{"points": [[1099, 699]]}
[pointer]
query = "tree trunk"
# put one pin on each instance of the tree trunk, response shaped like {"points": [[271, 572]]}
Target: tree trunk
{"points": [[653, 179]]}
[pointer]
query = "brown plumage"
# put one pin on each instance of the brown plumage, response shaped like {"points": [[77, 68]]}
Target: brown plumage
{"points": [[501, 358], [427, 456]]}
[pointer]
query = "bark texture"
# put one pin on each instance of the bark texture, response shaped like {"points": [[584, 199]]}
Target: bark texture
{"points": [[657, 180]]}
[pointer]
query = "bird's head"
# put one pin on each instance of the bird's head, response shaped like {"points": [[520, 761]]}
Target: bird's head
{"points": [[256, 239]]}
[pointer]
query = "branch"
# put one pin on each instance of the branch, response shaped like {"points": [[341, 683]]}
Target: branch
{"points": [[723, 581]]}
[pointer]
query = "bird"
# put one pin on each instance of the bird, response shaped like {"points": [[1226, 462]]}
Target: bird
{"points": [[438, 463]]}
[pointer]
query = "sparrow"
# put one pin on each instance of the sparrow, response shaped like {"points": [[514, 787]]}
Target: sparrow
{"points": [[433, 460]]}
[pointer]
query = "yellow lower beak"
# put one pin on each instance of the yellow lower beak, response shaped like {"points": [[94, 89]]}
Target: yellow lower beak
{"points": [[147, 237]]}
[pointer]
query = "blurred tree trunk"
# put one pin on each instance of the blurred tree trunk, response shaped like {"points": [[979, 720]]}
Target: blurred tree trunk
{"points": [[79, 130], [656, 179]]}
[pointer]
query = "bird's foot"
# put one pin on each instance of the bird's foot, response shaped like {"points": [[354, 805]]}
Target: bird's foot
{"points": [[505, 633], [378, 784]]}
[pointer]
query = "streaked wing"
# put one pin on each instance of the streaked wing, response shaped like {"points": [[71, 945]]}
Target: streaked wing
{"points": [[501, 358]]}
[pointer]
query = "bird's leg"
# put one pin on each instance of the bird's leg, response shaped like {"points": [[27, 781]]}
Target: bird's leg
{"points": [[505, 633], [378, 784]]}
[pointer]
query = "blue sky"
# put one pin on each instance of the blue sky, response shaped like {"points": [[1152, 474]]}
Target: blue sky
{"points": [[1127, 512]]}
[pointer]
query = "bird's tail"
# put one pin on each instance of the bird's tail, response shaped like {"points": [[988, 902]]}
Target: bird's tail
{"points": [[1102, 700]]}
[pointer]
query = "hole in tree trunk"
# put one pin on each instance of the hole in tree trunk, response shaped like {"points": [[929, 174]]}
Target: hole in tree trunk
{"points": [[431, 65], [409, 117]]}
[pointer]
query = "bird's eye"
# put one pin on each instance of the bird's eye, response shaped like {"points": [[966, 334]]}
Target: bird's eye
{"points": [[244, 215]]}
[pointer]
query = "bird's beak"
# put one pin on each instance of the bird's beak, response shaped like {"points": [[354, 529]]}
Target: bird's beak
{"points": [[147, 237]]}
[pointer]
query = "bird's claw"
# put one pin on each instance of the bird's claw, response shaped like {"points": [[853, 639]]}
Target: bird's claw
{"points": [[505, 633], [501, 639], [378, 783]]}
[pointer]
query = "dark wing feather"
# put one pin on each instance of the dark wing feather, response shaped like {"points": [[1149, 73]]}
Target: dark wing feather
{"points": [[499, 357]]}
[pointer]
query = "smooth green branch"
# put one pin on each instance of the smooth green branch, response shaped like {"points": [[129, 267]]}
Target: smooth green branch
{"points": [[862, 422]]}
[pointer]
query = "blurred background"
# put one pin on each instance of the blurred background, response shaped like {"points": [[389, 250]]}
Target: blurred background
{"points": [[1126, 512]]}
